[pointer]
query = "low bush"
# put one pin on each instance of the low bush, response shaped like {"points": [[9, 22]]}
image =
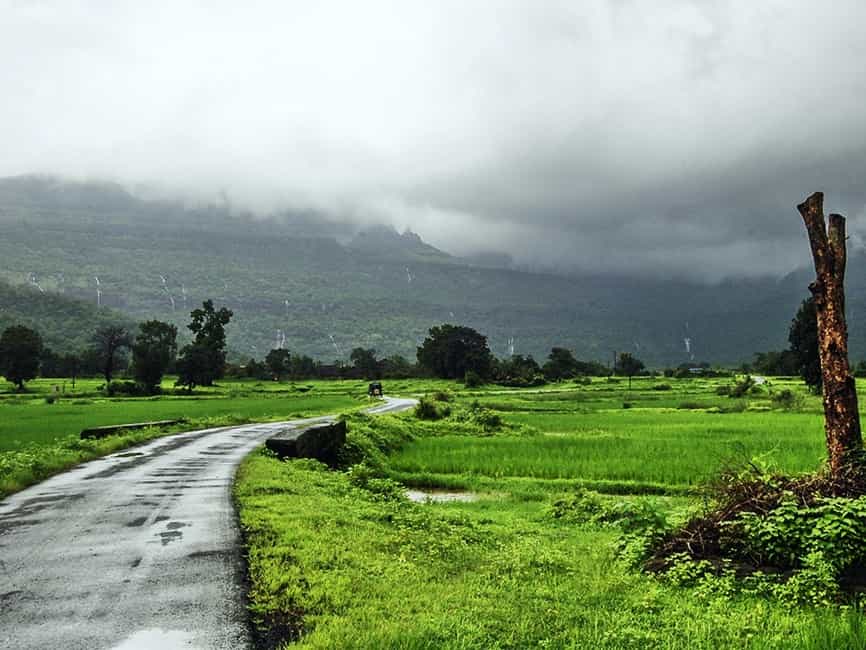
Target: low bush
{"points": [[429, 409], [741, 388], [801, 539], [788, 400], [128, 388], [588, 507], [662, 387]]}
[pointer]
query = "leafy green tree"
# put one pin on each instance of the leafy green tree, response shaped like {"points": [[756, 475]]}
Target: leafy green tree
{"points": [[628, 365], [279, 362], [450, 351], [195, 366], [203, 361], [20, 351], [49, 363], [256, 369], [153, 351], [517, 370], [70, 366], [366, 362], [398, 367], [775, 363], [303, 366], [560, 364], [803, 337], [108, 341]]}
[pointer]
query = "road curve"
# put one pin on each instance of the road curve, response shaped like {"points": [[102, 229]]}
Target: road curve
{"points": [[139, 549]]}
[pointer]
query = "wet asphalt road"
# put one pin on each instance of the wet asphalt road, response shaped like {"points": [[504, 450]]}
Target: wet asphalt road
{"points": [[139, 549]]}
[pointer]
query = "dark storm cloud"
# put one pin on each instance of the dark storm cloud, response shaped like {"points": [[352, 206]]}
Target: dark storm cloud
{"points": [[664, 137]]}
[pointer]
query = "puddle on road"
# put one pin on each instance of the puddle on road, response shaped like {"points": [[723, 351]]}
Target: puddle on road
{"points": [[162, 639], [440, 496]]}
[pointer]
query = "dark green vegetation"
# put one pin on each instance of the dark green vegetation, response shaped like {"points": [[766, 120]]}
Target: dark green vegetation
{"points": [[203, 361], [803, 339], [64, 323], [153, 352], [70, 234], [452, 351], [39, 430], [343, 559], [20, 351]]}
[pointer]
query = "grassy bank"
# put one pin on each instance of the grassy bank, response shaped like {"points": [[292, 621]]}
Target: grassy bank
{"points": [[343, 559], [334, 565]]}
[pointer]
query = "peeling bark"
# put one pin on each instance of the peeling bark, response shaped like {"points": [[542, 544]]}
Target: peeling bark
{"points": [[841, 415]]}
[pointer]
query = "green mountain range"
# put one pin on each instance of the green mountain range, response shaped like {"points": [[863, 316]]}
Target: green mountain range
{"points": [[71, 252]]}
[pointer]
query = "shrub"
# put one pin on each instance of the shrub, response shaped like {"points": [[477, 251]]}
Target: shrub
{"points": [[723, 390], [741, 388], [428, 409], [587, 507], [800, 539], [484, 417], [583, 381], [788, 400], [787, 534], [472, 379], [129, 388], [50, 399], [662, 387]]}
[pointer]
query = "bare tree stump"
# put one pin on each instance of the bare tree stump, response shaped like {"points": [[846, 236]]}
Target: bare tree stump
{"points": [[841, 415]]}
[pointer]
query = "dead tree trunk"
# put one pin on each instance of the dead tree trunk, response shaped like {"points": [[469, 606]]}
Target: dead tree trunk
{"points": [[841, 416]]}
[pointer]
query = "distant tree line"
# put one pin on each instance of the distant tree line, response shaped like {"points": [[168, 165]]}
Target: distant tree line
{"points": [[147, 355], [448, 352]]}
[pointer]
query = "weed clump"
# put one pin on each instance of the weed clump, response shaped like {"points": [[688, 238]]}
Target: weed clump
{"points": [[431, 409], [799, 538], [472, 379], [788, 400], [741, 388]]}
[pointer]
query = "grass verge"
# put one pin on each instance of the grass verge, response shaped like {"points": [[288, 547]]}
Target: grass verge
{"points": [[336, 565]]}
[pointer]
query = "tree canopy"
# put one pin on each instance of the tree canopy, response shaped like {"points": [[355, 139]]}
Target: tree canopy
{"points": [[279, 362], [20, 351], [107, 343], [803, 338], [629, 365], [366, 362], [203, 360], [153, 351], [450, 351]]}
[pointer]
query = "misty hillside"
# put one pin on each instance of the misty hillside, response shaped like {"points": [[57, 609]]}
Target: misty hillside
{"points": [[381, 289], [66, 324]]}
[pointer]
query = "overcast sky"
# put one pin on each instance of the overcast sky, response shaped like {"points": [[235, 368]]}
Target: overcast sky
{"points": [[663, 137]]}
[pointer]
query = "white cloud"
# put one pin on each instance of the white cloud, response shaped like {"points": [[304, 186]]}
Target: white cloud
{"points": [[576, 133]]}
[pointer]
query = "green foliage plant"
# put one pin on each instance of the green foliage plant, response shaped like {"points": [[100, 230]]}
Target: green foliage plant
{"points": [[153, 351], [20, 350]]}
